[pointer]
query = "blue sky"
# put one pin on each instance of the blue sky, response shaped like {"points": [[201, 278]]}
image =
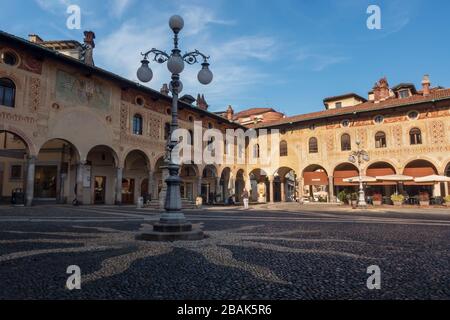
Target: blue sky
{"points": [[286, 54]]}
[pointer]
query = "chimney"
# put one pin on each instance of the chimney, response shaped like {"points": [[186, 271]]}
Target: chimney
{"points": [[230, 113], [201, 102], [164, 89], [88, 48], [35, 38], [426, 85], [381, 90]]}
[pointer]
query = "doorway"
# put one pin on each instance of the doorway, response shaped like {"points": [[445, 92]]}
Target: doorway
{"points": [[45, 182], [128, 191], [100, 190]]}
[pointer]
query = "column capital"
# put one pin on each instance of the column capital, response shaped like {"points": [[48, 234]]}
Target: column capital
{"points": [[31, 158]]}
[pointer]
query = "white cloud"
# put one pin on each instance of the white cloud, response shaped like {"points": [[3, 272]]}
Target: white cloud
{"points": [[319, 61], [120, 53], [118, 7], [53, 6]]}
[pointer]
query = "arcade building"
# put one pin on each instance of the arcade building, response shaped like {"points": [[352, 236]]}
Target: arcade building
{"points": [[70, 130]]}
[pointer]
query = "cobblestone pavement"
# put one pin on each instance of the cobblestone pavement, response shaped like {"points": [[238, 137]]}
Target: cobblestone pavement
{"points": [[281, 252]]}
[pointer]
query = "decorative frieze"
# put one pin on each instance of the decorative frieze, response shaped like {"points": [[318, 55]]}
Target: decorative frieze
{"points": [[6, 116], [437, 132], [35, 94]]}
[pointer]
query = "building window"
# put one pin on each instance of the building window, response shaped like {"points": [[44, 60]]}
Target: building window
{"points": [[137, 124], [378, 119], [313, 146], [166, 131], [345, 123], [16, 172], [283, 149], [380, 140], [413, 115], [9, 58], [338, 105], [7, 92], [403, 94], [346, 142], [415, 136], [140, 101], [191, 119], [256, 151]]}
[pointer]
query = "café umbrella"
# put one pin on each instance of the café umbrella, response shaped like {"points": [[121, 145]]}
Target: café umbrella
{"points": [[395, 177], [433, 178], [399, 178], [364, 179]]}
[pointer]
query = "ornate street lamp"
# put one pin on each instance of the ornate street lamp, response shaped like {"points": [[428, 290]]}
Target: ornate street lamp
{"points": [[173, 224], [359, 157]]}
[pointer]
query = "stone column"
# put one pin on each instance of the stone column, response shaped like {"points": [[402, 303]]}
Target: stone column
{"points": [[331, 197], [446, 189], [218, 190], [300, 189], [150, 184], [283, 190], [79, 183], [119, 177], [29, 193], [272, 198], [199, 186]]}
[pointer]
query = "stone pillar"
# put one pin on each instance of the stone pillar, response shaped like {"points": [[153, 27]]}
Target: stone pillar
{"points": [[199, 186], [272, 200], [150, 183], [446, 189], [331, 196], [119, 177], [218, 190], [29, 193], [79, 184], [300, 189], [283, 190]]}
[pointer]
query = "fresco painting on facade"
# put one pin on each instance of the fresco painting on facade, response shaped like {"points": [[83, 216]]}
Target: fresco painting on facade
{"points": [[77, 91]]}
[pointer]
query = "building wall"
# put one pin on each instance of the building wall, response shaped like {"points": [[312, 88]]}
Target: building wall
{"points": [[57, 101]]}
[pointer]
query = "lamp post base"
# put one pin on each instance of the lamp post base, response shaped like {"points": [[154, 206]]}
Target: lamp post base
{"points": [[172, 232]]}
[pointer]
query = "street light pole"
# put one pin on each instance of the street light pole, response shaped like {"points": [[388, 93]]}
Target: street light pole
{"points": [[173, 224], [359, 157]]}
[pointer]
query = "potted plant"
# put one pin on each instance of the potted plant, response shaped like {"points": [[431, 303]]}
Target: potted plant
{"points": [[447, 201], [397, 199], [377, 199], [424, 199]]}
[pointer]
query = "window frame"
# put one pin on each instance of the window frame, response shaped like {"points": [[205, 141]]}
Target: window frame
{"points": [[380, 135], [284, 152], [346, 145], [415, 136], [7, 84], [313, 145], [138, 120]]}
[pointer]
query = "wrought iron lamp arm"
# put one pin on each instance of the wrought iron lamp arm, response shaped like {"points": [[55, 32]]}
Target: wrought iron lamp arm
{"points": [[159, 55], [192, 57]]}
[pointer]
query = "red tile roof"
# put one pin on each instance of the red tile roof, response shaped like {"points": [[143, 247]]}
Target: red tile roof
{"points": [[251, 112], [440, 94]]}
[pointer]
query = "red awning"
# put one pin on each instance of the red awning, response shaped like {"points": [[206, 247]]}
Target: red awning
{"points": [[377, 172], [340, 175], [317, 178], [417, 173]]}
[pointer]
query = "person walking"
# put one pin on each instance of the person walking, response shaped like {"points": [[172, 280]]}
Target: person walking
{"points": [[245, 197]]}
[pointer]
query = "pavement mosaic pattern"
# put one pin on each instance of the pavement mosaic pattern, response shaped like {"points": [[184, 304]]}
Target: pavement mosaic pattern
{"points": [[258, 254]]}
